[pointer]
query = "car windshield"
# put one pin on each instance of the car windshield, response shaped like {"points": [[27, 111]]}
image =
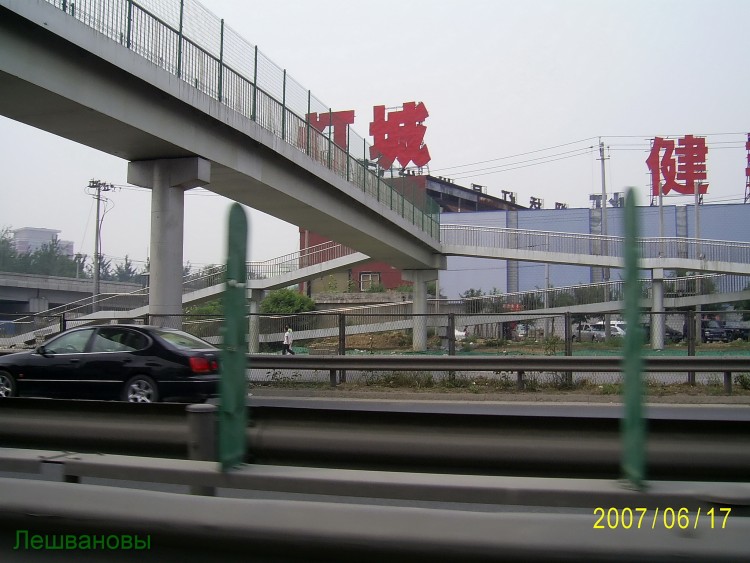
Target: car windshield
{"points": [[182, 340]]}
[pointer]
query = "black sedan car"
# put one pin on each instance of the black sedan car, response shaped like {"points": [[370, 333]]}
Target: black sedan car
{"points": [[135, 363]]}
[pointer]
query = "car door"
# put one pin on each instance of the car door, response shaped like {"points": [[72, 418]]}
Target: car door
{"points": [[110, 360], [54, 367]]}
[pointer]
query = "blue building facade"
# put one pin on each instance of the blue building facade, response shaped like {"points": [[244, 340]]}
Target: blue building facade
{"points": [[725, 222]]}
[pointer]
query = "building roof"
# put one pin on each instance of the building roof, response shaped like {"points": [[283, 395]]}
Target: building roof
{"points": [[454, 198]]}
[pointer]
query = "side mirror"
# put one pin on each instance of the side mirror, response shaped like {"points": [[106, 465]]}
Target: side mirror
{"points": [[41, 350]]}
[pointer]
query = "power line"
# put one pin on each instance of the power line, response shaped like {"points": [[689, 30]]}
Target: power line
{"points": [[645, 146], [469, 174], [515, 155]]}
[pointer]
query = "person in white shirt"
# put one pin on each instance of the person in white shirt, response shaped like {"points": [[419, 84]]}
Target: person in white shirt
{"points": [[288, 339]]}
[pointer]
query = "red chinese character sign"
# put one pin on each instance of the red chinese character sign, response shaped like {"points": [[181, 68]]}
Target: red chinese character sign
{"points": [[337, 120], [684, 163], [400, 136]]}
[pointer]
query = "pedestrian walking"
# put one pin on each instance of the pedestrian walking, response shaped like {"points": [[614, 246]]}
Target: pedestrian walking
{"points": [[288, 339]]}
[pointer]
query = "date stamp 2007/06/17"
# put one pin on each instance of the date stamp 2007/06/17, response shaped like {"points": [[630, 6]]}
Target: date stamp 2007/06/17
{"points": [[668, 518]]}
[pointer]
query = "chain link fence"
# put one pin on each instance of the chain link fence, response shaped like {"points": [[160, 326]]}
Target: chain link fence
{"points": [[389, 329]]}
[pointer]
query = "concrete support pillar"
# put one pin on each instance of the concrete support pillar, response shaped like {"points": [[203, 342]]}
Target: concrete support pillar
{"points": [[419, 307], [512, 284], [657, 309], [254, 297], [38, 304], [595, 228], [168, 180]]}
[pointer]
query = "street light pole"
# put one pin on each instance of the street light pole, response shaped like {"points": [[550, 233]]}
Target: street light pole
{"points": [[698, 284], [605, 250]]}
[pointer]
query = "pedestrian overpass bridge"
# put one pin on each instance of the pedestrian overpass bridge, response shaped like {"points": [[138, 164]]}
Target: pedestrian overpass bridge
{"points": [[188, 107]]}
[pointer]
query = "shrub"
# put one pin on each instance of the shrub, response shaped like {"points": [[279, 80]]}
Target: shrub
{"points": [[286, 302], [743, 380]]}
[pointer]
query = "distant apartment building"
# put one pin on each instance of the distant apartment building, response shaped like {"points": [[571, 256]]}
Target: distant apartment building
{"points": [[31, 239]]}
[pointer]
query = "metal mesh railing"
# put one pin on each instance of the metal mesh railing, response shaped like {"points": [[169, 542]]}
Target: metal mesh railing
{"points": [[587, 244], [268, 269], [185, 39]]}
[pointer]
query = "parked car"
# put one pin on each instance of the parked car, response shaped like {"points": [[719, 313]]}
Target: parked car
{"points": [[670, 334], [616, 329], [737, 330], [134, 363], [585, 332], [713, 331]]}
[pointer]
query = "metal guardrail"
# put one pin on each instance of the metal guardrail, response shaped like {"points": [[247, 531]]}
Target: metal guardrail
{"points": [[720, 364], [396, 439], [726, 365], [369, 529]]}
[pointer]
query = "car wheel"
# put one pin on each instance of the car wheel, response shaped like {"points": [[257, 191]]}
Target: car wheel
{"points": [[140, 389], [7, 385]]}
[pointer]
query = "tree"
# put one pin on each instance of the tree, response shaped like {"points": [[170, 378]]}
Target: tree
{"points": [[212, 307], [48, 260], [105, 269], [8, 255], [286, 302], [126, 272], [472, 302], [557, 299]]}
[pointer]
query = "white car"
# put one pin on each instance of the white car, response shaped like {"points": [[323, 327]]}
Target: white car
{"points": [[616, 328]]}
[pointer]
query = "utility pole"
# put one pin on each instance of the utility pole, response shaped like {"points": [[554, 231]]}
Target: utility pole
{"points": [[605, 232], [95, 189], [698, 256]]}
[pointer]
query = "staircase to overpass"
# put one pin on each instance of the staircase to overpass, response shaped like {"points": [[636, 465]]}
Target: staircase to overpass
{"points": [[584, 299]]}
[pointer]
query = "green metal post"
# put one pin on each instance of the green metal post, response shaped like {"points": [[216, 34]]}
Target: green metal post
{"points": [[179, 39], [64, 5], [283, 109], [221, 62], [255, 82], [233, 386], [633, 461]]}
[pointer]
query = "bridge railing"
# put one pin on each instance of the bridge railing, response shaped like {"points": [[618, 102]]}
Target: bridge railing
{"points": [[584, 243], [571, 298], [185, 39], [587, 294], [274, 267]]}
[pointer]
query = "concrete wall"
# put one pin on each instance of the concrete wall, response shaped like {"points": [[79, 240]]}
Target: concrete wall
{"points": [[28, 293]]}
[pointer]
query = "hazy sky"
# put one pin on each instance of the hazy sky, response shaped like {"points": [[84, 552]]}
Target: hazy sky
{"points": [[519, 94]]}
